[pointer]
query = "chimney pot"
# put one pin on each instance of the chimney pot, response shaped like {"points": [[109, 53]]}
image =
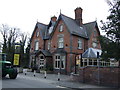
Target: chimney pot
{"points": [[54, 18]]}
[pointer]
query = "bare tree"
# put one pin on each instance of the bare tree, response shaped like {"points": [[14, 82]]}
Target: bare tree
{"points": [[4, 32], [9, 35], [23, 38]]}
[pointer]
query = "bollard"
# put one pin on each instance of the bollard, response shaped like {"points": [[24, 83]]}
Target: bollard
{"points": [[45, 74], [34, 73], [58, 76], [25, 71]]}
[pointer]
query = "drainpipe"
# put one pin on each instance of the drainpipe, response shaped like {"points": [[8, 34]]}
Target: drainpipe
{"points": [[44, 44], [75, 64]]}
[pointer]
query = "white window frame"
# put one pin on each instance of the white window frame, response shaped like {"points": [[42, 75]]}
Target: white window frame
{"points": [[59, 62], [37, 33], [50, 30], [80, 44], [63, 62], [94, 44], [61, 28], [49, 45], [36, 45], [60, 42]]}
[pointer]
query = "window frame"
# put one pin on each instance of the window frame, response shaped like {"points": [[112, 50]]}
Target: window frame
{"points": [[80, 44], [49, 45], [60, 42], [36, 45], [61, 28], [37, 34], [59, 62], [94, 44]]}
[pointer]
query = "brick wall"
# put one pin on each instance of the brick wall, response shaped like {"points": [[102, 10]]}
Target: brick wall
{"points": [[108, 76]]}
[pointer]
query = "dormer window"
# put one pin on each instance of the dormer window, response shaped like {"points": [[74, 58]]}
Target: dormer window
{"points": [[61, 28], [50, 29]]}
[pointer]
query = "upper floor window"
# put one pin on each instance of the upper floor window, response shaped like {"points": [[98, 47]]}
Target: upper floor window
{"points": [[94, 44], [36, 45], [50, 29], [79, 44], [49, 45], [95, 33], [61, 28], [60, 42], [37, 33]]}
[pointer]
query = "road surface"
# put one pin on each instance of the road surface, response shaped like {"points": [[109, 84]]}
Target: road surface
{"points": [[23, 81]]}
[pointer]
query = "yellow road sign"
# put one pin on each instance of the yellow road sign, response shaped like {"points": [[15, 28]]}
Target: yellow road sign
{"points": [[78, 61], [16, 59]]}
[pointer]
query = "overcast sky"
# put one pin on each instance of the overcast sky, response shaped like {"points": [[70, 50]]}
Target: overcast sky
{"points": [[24, 14]]}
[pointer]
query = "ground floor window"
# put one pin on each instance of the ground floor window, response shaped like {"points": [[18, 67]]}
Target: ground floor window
{"points": [[59, 62], [93, 62]]}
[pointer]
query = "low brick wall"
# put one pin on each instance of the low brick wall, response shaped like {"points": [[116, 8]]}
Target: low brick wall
{"points": [[107, 76]]}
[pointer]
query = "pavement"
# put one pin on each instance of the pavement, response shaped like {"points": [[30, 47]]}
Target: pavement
{"points": [[65, 81]]}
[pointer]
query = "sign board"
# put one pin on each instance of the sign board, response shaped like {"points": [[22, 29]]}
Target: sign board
{"points": [[78, 58], [78, 61], [16, 59]]}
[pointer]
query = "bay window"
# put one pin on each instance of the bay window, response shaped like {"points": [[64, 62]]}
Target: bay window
{"points": [[59, 62]]}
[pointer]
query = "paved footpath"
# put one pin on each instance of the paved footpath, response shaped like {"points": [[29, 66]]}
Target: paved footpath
{"points": [[65, 81]]}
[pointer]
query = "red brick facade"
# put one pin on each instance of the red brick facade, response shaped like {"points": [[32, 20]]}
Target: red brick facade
{"points": [[67, 48]]}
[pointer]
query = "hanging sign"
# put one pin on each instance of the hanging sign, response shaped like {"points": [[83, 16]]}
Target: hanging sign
{"points": [[16, 59]]}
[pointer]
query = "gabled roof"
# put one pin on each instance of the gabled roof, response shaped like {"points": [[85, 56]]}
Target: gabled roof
{"points": [[90, 27], [44, 52], [83, 31], [42, 28], [47, 35], [91, 53], [73, 27]]}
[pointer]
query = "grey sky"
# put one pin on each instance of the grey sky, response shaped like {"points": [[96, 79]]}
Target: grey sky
{"points": [[25, 13]]}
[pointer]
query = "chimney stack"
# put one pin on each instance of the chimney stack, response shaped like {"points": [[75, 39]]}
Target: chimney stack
{"points": [[54, 18], [78, 15]]}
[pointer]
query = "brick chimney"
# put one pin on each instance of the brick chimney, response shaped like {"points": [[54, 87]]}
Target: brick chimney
{"points": [[54, 18], [78, 15]]}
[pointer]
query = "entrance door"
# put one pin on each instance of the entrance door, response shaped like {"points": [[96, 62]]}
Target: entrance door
{"points": [[42, 62]]}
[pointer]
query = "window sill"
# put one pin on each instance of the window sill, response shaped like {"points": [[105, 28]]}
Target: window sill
{"points": [[80, 48], [59, 68]]}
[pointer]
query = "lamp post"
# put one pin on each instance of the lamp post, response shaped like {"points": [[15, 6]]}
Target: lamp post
{"points": [[75, 64]]}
